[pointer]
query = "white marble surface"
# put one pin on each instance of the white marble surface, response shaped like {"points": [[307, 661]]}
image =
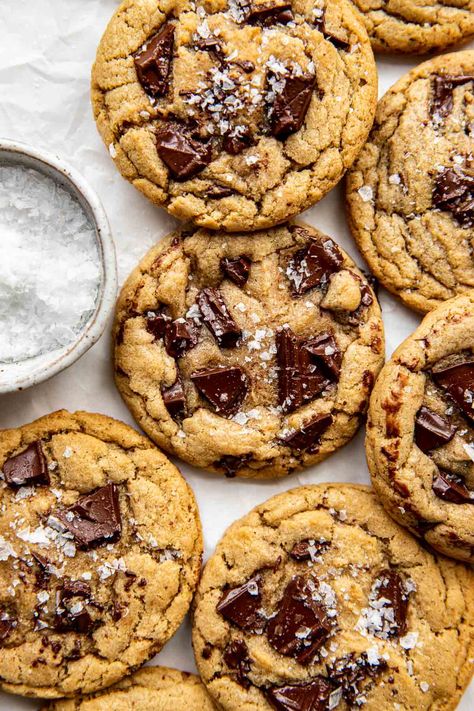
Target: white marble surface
{"points": [[46, 50]]}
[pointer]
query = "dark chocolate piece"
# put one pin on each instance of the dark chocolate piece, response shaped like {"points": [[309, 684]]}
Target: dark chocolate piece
{"points": [[288, 109], [42, 571], [268, 15], [218, 192], [320, 23], [245, 65], [235, 141], [212, 45], [231, 464], [308, 549], [8, 622], [458, 381], [236, 656], [174, 398], [236, 269], [217, 318], [301, 697], [451, 488], [71, 613], [241, 605], [443, 88], [312, 266], [432, 430], [29, 468], [308, 436], [300, 626], [389, 586], [183, 154], [349, 672], [180, 336], [224, 387], [153, 64], [324, 349], [94, 518], [156, 322], [454, 192]]}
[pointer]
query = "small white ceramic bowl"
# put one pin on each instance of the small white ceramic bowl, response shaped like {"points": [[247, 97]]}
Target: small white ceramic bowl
{"points": [[18, 376]]}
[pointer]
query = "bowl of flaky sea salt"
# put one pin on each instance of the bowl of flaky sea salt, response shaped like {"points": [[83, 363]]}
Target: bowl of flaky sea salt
{"points": [[58, 276]]}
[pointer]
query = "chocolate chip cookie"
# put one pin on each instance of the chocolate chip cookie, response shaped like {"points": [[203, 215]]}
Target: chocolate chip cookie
{"points": [[234, 114], [150, 689], [253, 354], [420, 435], [317, 600], [100, 552], [411, 192]]}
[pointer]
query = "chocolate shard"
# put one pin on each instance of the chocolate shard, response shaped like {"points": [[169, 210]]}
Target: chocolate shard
{"points": [[237, 141], [246, 66], [183, 154], [432, 430], [174, 398], [217, 318], [349, 672], [212, 45], [8, 622], [442, 98], [308, 549], [268, 15], [308, 436], [225, 387], [324, 349], [94, 518], [71, 613], [290, 103], [237, 269], [156, 322], [153, 63], [311, 266], [458, 381], [29, 468], [300, 625], [454, 192], [450, 488], [42, 571], [236, 656], [320, 24], [389, 586], [181, 336], [301, 697], [241, 605], [218, 192], [231, 464]]}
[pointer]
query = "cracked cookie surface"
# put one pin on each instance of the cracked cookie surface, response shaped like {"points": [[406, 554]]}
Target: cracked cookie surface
{"points": [[236, 115], [100, 553], [151, 689], [410, 193], [420, 433], [318, 600], [248, 355]]}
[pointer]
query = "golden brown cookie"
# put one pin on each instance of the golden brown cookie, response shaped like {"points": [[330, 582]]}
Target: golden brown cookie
{"points": [[234, 115], [253, 354], [410, 194], [100, 552], [420, 434], [317, 600]]}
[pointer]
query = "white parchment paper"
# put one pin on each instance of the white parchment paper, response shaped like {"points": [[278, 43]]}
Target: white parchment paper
{"points": [[46, 51]]}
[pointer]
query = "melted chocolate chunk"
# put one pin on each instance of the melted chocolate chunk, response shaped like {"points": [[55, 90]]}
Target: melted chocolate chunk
{"points": [[268, 15], [174, 398], [301, 697], [236, 269], [231, 464], [224, 387], [308, 436], [241, 605], [180, 336], [389, 586], [156, 322], [443, 88], [300, 626], [308, 549], [458, 381], [29, 468], [184, 154], [234, 143], [217, 192], [212, 45], [289, 107], [349, 672], [94, 518], [153, 64], [8, 622], [236, 656], [71, 613], [450, 488], [324, 349], [217, 318], [432, 430], [311, 266], [454, 192]]}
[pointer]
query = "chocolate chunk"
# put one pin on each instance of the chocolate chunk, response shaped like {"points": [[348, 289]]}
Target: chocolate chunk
{"points": [[454, 192], [212, 45], [153, 64], [156, 322], [217, 318], [301, 697], [174, 398], [308, 436], [451, 488], [389, 586], [300, 626], [241, 605], [312, 265], [29, 468], [320, 24], [181, 336], [42, 572], [324, 349], [71, 613], [268, 15], [237, 141], [458, 381], [94, 518], [184, 154], [308, 549], [224, 387], [290, 104], [236, 656], [236, 269], [245, 65], [8, 622], [443, 88], [217, 192], [231, 464], [349, 672], [432, 430]]}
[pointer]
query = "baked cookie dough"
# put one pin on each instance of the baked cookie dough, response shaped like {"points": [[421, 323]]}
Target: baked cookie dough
{"points": [[411, 192], [235, 115], [150, 689], [250, 355], [420, 434], [100, 553], [317, 600]]}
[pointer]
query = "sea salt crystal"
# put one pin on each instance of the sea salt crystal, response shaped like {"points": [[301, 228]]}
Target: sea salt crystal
{"points": [[366, 193], [50, 267]]}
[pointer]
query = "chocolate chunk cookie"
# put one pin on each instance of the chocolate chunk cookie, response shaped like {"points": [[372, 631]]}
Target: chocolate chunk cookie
{"points": [[250, 355], [236, 115], [317, 600], [411, 192], [420, 436], [150, 689], [100, 552]]}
